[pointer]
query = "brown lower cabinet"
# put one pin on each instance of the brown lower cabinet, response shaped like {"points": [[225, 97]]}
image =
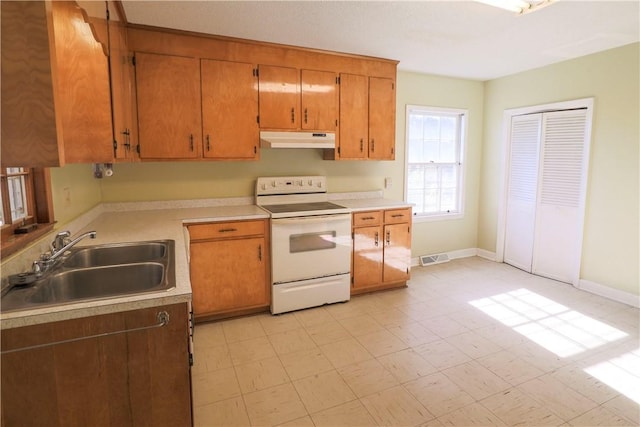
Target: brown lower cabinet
{"points": [[229, 267], [130, 379], [381, 249]]}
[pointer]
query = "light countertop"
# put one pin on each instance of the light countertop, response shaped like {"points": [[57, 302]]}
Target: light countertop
{"points": [[368, 204], [129, 222], [130, 226]]}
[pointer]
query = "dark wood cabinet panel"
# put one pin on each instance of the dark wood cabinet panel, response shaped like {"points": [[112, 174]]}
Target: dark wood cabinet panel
{"points": [[134, 378]]}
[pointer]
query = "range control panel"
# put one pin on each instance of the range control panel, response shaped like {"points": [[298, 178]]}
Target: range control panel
{"points": [[291, 185]]}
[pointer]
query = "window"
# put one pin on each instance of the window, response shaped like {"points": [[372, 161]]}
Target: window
{"points": [[434, 161], [25, 198]]}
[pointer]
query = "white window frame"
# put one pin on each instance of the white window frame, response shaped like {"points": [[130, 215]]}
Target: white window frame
{"points": [[464, 115]]}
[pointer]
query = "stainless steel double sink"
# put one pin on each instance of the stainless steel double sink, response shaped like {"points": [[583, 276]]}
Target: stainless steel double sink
{"points": [[99, 272]]}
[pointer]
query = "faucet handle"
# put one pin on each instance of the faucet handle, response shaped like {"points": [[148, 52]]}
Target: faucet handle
{"points": [[61, 240]]}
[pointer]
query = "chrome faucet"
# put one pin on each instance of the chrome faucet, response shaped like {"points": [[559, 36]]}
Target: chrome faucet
{"points": [[59, 246], [62, 238]]}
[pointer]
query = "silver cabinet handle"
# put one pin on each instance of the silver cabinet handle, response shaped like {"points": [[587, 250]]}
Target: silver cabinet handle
{"points": [[162, 317], [376, 239]]}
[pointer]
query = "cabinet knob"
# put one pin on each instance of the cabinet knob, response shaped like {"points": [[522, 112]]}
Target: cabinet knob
{"points": [[361, 144], [191, 142], [293, 115], [208, 143], [376, 239]]}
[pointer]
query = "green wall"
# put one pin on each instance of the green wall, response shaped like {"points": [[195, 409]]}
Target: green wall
{"points": [[434, 91], [75, 191], [194, 180], [611, 244]]}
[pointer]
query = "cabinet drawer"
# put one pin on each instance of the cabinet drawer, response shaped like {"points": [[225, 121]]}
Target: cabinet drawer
{"points": [[361, 219], [395, 216], [224, 230]]}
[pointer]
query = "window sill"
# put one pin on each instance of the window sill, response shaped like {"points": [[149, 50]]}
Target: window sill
{"points": [[13, 243], [433, 218]]}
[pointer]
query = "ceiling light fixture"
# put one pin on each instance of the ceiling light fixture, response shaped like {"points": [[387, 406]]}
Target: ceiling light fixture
{"points": [[520, 7]]}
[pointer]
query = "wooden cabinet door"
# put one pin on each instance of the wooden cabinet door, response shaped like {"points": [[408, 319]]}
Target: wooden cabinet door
{"points": [[228, 275], [367, 256], [382, 118], [168, 96], [354, 118], [124, 134], [133, 378], [319, 100], [56, 105], [229, 110], [397, 252], [279, 93], [84, 99]]}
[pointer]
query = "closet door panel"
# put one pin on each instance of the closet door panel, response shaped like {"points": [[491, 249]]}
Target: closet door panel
{"points": [[523, 182], [561, 189]]}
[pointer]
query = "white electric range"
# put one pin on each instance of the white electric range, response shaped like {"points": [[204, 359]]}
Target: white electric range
{"points": [[310, 243]]}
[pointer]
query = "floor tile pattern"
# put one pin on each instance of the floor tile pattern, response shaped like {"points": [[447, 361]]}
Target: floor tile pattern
{"points": [[469, 342]]}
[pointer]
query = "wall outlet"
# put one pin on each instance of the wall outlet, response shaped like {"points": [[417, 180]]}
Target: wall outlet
{"points": [[387, 183]]}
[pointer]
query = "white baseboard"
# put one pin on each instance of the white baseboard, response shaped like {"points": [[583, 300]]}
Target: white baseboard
{"points": [[483, 253], [461, 253], [585, 285], [608, 292]]}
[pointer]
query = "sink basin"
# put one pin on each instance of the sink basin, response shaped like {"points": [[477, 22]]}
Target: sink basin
{"points": [[99, 272], [123, 253], [100, 282]]}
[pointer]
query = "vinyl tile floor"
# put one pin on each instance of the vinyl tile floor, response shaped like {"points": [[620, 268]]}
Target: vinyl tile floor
{"points": [[469, 342]]}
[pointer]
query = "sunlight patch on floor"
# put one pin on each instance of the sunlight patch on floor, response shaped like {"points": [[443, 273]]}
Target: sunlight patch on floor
{"points": [[621, 373], [554, 326]]}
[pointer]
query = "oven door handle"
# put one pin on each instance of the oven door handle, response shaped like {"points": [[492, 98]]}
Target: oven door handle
{"points": [[311, 219]]}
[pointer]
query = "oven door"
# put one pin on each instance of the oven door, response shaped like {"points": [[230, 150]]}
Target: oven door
{"points": [[310, 247]]}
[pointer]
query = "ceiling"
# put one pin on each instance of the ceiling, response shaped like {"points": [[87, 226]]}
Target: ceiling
{"points": [[454, 38]]}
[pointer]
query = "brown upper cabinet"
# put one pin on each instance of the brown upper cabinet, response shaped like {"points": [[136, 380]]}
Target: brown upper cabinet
{"points": [[354, 119], [382, 118], [125, 133], [297, 89], [168, 95], [319, 97], [193, 109], [229, 110], [292, 99], [55, 98], [367, 117], [279, 89]]}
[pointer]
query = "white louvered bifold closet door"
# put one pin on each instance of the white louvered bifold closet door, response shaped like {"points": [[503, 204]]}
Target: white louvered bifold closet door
{"points": [[522, 190], [560, 204]]}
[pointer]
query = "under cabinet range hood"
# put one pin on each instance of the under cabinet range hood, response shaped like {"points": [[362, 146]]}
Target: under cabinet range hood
{"points": [[298, 139]]}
